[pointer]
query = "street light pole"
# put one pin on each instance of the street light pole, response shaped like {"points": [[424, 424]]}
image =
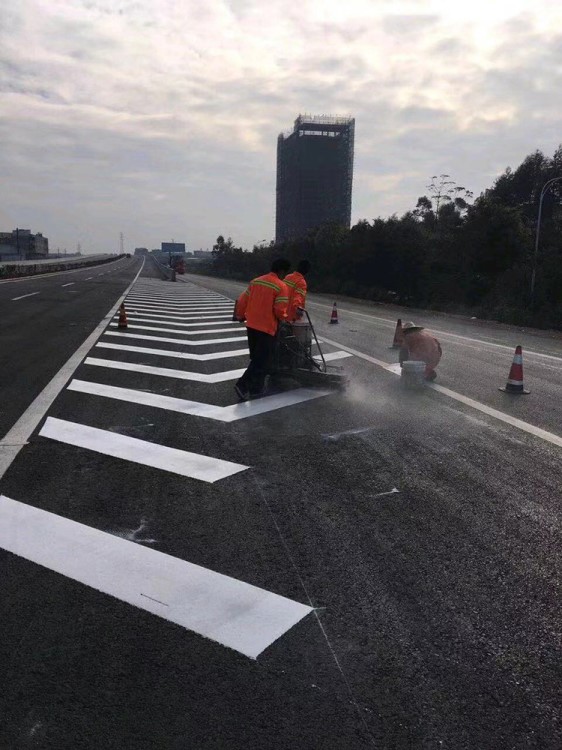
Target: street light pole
{"points": [[537, 235]]}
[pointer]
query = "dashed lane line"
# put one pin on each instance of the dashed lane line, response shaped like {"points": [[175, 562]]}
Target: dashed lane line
{"points": [[170, 353], [168, 340], [226, 610], [173, 460], [550, 437], [18, 436], [23, 296], [231, 413], [70, 283]]}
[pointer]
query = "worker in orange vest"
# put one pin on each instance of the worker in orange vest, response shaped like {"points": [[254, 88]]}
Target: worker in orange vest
{"points": [[297, 286], [263, 306]]}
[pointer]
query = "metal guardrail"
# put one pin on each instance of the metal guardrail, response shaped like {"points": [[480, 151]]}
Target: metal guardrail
{"points": [[13, 270]]}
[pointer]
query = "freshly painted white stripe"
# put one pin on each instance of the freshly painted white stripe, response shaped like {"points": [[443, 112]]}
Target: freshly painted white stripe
{"points": [[495, 413], [174, 330], [70, 283], [193, 465], [195, 408], [179, 297], [198, 377], [177, 355], [88, 278], [167, 340], [136, 319], [178, 314], [18, 436], [224, 609], [183, 305], [23, 296], [331, 356]]}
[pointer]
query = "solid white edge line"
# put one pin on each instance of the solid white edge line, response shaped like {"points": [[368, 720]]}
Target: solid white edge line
{"points": [[550, 437], [226, 610], [19, 434]]}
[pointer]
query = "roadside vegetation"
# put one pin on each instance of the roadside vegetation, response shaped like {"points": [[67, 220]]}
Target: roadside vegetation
{"points": [[449, 253]]}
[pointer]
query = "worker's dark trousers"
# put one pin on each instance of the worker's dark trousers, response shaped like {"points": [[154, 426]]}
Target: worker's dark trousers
{"points": [[261, 351]]}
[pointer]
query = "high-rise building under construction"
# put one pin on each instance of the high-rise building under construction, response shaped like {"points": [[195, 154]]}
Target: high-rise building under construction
{"points": [[314, 175]]}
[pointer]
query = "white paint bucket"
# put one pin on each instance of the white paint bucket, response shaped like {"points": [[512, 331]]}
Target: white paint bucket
{"points": [[413, 373]]}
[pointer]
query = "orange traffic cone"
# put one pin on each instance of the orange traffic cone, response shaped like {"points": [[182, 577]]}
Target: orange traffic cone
{"points": [[398, 336], [515, 378], [122, 317], [334, 318]]}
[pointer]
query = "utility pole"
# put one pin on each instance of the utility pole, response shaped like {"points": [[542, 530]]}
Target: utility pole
{"points": [[121, 242], [535, 255], [78, 249]]}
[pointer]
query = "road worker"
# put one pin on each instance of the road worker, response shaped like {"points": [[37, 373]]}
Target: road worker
{"points": [[263, 306], [296, 284], [421, 346]]}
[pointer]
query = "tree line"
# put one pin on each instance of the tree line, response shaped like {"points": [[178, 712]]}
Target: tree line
{"points": [[449, 253]]}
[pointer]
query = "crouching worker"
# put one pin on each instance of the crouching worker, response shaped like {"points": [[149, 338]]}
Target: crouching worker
{"points": [[263, 306], [421, 346]]}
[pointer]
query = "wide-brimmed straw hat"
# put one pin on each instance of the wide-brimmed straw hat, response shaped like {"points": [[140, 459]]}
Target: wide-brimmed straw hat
{"points": [[411, 327]]}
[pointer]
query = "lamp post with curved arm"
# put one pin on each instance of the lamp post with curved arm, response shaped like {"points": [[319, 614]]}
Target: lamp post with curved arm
{"points": [[534, 274]]}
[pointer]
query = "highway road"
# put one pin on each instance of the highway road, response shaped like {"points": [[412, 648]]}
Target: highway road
{"points": [[315, 569]]}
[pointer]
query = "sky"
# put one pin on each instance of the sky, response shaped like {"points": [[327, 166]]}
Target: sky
{"points": [[159, 118]]}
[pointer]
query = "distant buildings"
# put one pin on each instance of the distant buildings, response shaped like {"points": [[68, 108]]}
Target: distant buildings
{"points": [[21, 244], [314, 175]]}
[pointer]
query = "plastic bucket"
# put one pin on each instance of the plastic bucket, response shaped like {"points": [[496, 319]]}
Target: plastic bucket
{"points": [[413, 373]]}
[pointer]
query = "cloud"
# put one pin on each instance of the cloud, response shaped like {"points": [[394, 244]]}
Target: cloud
{"points": [[161, 118]]}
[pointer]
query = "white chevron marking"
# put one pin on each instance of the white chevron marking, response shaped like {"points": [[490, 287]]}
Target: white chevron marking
{"points": [[157, 456], [194, 408]]}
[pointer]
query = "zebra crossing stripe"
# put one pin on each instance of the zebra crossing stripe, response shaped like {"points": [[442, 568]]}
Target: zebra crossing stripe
{"points": [[226, 610], [183, 342], [170, 353], [195, 408], [176, 461], [167, 372]]}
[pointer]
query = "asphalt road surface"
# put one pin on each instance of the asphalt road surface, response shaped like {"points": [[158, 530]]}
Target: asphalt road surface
{"points": [[315, 569]]}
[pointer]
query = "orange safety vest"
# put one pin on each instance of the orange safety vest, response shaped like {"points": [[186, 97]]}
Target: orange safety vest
{"points": [[264, 303], [296, 284]]}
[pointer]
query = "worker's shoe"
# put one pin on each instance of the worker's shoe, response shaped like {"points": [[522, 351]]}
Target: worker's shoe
{"points": [[431, 376], [242, 394]]}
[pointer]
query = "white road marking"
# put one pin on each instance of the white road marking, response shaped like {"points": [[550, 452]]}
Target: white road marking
{"points": [[195, 408], [178, 314], [23, 296], [550, 437], [178, 298], [175, 330], [331, 356], [218, 377], [88, 278], [183, 342], [186, 306], [184, 463], [148, 311], [169, 353], [18, 436], [225, 610], [135, 319], [70, 283]]}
